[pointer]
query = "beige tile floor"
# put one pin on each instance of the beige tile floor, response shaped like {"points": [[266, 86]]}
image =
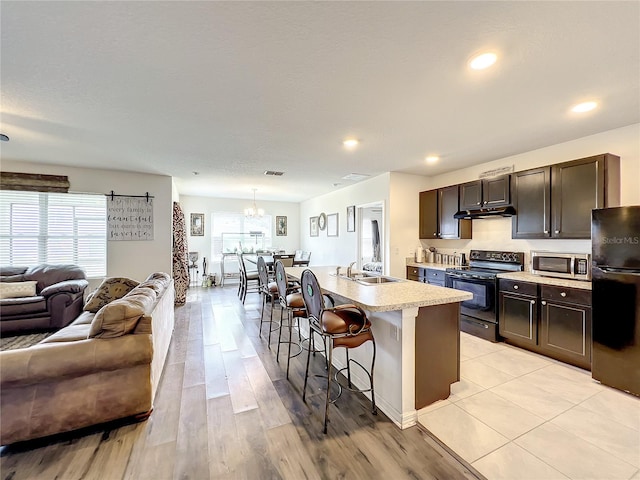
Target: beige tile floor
{"points": [[517, 415]]}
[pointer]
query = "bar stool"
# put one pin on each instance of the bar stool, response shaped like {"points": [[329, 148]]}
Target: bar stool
{"points": [[269, 291], [341, 326], [292, 303]]}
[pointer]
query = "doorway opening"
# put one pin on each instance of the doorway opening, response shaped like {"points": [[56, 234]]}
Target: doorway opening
{"points": [[371, 238]]}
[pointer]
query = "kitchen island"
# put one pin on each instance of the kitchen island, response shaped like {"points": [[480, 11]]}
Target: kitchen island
{"points": [[416, 327]]}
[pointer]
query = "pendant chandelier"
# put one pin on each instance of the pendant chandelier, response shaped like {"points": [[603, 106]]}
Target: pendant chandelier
{"points": [[253, 212]]}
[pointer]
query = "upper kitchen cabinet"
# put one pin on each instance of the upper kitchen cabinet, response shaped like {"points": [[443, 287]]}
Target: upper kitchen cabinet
{"points": [[492, 192], [556, 201], [532, 202], [437, 208], [578, 187]]}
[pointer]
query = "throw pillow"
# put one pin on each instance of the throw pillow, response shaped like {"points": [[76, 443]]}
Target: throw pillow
{"points": [[109, 290], [17, 289], [120, 316]]}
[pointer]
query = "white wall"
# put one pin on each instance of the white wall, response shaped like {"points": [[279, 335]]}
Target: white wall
{"points": [[343, 249], [133, 259], [208, 205]]}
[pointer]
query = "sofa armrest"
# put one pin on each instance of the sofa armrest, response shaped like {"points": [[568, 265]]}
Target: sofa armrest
{"points": [[68, 286], [49, 361]]}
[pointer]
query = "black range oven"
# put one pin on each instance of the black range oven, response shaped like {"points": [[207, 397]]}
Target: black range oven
{"points": [[479, 316]]}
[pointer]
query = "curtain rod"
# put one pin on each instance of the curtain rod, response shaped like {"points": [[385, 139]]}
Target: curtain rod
{"points": [[112, 195]]}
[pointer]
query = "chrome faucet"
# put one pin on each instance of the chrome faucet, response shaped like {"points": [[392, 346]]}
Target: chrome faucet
{"points": [[338, 271], [349, 269]]}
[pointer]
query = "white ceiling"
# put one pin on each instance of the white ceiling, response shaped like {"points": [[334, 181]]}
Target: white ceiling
{"points": [[230, 89]]}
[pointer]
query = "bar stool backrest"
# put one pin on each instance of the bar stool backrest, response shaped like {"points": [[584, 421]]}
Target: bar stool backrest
{"points": [[263, 273], [312, 295], [281, 279]]}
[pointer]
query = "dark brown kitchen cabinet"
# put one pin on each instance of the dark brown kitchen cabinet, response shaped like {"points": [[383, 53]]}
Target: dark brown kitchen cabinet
{"points": [[554, 321], [556, 201], [578, 187], [518, 315], [565, 324], [433, 276], [416, 274], [532, 202], [492, 192], [437, 208]]}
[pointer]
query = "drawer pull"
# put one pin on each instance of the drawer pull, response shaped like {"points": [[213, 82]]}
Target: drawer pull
{"points": [[563, 294], [543, 302], [533, 302], [515, 287]]}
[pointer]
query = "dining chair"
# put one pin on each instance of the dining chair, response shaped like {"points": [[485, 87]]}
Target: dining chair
{"points": [[301, 259], [287, 260], [269, 291], [291, 304], [345, 326], [249, 281]]}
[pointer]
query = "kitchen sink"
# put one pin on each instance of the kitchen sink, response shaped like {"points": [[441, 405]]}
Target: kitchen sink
{"points": [[376, 280]]}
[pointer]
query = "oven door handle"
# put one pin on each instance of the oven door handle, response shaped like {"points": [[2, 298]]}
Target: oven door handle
{"points": [[472, 278]]}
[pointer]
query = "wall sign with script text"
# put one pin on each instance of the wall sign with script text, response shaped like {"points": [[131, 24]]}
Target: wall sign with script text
{"points": [[129, 218]]}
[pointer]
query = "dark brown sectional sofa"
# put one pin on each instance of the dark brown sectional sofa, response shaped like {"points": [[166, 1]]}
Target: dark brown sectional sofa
{"points": [[56, 302]]}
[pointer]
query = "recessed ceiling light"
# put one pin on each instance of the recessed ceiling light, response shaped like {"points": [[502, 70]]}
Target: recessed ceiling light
{"points": [[482, 61], [351, 143], [432, 159], [584, 107]]}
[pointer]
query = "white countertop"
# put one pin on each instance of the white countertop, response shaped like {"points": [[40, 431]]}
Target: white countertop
{"points": [[382, 297], [559, 282], [435, 266]]}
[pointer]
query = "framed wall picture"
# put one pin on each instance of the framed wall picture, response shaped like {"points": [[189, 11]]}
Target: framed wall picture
{"points": [[351, 218], [281, 226], [332, 225], [313, 226], [197, 224]]}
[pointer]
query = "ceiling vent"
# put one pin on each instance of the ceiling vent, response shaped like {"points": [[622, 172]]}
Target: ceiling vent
{"points": [[273, 173], [355, 177]]}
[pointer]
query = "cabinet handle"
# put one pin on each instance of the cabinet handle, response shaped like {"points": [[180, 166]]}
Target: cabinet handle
{"points": [[533, 302], [557, 231], [543, 302], [515, 287], [563, 294], [546, 231]]}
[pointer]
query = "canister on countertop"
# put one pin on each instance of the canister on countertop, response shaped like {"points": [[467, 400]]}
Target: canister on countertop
{"points": [[419, 255]]}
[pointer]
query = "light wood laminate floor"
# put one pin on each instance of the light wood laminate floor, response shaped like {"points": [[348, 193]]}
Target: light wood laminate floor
{"points": [[225, 410]]}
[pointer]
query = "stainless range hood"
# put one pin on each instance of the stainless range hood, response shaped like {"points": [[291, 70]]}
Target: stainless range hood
{"points": [[507, 211]]}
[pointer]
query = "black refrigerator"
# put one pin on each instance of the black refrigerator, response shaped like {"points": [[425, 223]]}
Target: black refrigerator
{"points": [[615, 240]]}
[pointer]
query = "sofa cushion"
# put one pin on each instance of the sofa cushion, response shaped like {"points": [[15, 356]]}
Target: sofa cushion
{"points": [[121, 316], [12, 278], [47, 275], [17, 289], [11, 271], [70, 333], [109, 290], [22, 306]]}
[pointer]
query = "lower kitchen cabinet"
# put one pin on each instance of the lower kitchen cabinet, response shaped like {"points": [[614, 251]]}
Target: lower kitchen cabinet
{"points": [[565, 324], [518, 316], [434, 276], [550, 320], [415, 273]]}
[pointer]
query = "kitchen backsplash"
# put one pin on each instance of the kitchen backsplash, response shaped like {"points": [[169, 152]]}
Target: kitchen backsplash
{"points": [[495, 234]]}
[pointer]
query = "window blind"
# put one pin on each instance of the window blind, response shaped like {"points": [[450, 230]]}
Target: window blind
{"points": [[54, 228]]}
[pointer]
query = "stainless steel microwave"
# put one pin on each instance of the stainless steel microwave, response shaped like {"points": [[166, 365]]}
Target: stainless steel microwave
{"points": [[563, 265]]}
